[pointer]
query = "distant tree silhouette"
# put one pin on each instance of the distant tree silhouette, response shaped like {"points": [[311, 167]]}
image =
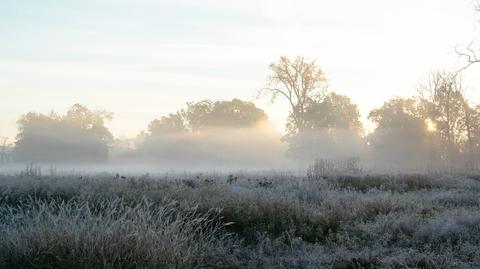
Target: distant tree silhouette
{"points": [[212, 131], [445, 105], [173, 123], [332, 128], [332, 111], [298, 81], [438, 125], [471, 126], [234, 113], [401, 134], [79, 135], [209, 114]]}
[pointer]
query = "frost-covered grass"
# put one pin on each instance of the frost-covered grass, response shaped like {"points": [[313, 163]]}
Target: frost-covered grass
{"points": [[242, 220]]}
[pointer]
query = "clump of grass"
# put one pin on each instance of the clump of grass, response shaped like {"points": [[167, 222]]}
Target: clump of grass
{"points": [[112, 234], [407, 182]]}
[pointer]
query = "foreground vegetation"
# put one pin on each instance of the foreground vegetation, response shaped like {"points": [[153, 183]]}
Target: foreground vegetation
{"points": [[272, 220]]}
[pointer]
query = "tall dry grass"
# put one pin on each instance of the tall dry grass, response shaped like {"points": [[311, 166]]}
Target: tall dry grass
{"points": [[245, 220]]}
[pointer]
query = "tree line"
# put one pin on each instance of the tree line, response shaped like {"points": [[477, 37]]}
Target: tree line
{"points": [[439, 124]]}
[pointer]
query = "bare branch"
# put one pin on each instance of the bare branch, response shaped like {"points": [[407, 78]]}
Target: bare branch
{"points": [[469, 54]]}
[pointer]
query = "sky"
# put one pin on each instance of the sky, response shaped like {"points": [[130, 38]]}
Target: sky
{"points": [[143, 59]]}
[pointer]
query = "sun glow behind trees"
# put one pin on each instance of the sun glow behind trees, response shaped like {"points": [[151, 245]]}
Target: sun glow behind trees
{"points": [[430, 125]]}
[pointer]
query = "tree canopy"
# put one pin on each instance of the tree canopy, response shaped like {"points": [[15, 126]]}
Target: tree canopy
{"points": [[438, 125], [235, 113], [79, 135], [206, 132], [298, 81], [332, 128], [401, 134], [447, 107], [317, 117], [332, 111], [209, 114]]}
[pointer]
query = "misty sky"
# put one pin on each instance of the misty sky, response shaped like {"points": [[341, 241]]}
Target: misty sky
{"points": [[143, 59]]}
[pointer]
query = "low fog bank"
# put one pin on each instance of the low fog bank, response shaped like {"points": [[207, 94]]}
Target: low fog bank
{"points": [[259, 147], [294, 169], [256, 147], [437, 131], [141, 170]]}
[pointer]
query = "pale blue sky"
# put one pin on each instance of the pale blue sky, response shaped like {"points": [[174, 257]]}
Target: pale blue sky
{"points": [[142, 59]]}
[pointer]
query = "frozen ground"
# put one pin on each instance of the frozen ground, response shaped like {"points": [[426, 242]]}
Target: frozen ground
{"points": [[240, 220]]}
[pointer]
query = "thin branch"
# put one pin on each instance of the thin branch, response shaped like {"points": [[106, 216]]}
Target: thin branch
{"points": [[470, 55]]}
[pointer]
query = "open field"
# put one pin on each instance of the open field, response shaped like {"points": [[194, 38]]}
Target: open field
{"points": [[242, 220]]}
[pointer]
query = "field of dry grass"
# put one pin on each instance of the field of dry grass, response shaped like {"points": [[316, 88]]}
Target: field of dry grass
{"points": [[242, 220]]}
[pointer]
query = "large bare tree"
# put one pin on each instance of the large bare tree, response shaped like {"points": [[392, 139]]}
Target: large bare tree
{"points": [[298, 81]]}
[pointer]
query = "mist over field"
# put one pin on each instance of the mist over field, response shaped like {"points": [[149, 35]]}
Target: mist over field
{"points": [[435, 131]]}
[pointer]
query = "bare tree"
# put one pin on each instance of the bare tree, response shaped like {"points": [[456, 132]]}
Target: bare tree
{"points": [[471, 52], [298, 81]]}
